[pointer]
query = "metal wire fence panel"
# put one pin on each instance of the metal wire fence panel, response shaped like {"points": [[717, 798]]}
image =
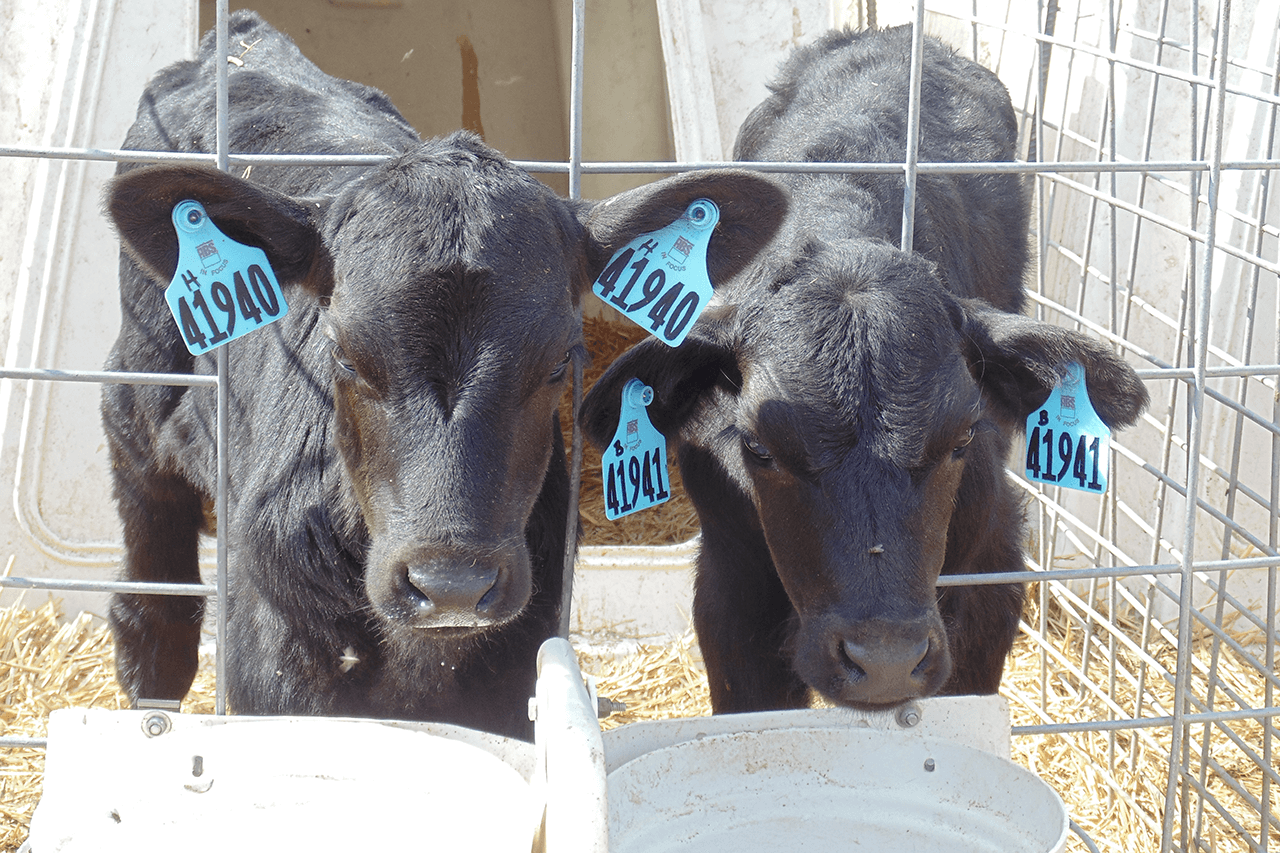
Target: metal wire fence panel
{"points": [[1169, 675], [1149, 130]]}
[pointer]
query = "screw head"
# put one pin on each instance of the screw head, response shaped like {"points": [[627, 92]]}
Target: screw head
{"points": [[909, 715], [156, 723]]}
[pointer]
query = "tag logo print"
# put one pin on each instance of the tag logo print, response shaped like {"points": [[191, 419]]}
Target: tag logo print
{"points": [[681, 250]]}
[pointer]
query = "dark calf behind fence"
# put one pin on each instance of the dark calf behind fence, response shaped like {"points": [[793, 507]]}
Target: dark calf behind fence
{"points": [[843, 416], [398, 499]]}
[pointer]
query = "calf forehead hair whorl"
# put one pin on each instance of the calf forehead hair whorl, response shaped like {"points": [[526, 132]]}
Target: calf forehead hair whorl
{"points": [[863, 337]]}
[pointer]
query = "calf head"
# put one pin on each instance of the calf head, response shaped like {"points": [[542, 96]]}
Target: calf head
{"points": [[439, 300], [856, 408]]}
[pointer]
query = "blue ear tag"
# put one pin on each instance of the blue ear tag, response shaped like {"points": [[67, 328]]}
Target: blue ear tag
{"points": [[659, 280], [1067, 443], [635, 463], [222, 290]]}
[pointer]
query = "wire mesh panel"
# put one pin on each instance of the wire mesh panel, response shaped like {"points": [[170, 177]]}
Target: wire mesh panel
{"points": [[1152, 128], [1147, 672]]}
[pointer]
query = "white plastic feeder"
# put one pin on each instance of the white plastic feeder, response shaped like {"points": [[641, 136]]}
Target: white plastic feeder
{"points": [[935, 776], [147, 780]]}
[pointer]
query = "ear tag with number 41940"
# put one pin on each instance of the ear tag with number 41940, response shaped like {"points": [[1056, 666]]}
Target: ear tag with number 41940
{"points": [[635, 463], [222, 290], [659, 280], [1067, 443]]}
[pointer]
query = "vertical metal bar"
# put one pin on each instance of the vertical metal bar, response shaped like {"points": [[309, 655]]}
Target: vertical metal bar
{"points": [[1273, 535], [1107, 506], [1106, 153], [1180, 728], [1045, 19], [575, 100], [223, 443], [1246, 357], [913, 129], [575, 192]]}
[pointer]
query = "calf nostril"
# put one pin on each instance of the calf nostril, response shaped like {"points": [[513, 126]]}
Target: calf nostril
{"points": [[416, 591], [852, 653], [922, 662], [489, 599]]}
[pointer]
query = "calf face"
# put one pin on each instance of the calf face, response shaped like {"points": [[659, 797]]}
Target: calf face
{"points": [[449, 285], [856, 412]]}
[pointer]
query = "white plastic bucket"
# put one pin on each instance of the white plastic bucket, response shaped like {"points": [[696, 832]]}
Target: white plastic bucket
{"points": [[827, 789]]}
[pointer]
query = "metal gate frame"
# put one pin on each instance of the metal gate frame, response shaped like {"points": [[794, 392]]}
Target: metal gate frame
{"points": [[1187, 795]]}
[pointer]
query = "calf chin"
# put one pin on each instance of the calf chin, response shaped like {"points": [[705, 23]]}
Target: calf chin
{"points": [[873, 664], [460, 588]]}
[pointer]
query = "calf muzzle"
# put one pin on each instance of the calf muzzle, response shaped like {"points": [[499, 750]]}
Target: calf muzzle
{"points": [[451, 588], [876, 663]]}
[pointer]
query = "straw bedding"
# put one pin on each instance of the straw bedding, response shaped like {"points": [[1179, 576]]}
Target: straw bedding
{"points": [[48, 663]]}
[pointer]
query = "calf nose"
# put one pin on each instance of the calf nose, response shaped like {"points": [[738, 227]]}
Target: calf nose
{"points": [[883, 671], [887, 664], [451, 595], [443, 587]]}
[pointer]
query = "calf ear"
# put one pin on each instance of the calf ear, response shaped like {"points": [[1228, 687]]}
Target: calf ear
{"points": [[1018, 360], [140, 203], [751, 205], [679, 376]]}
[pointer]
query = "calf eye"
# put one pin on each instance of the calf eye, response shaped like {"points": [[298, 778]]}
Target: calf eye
{"points": [[560, 369], [344, 363], [756, 448], [964, 442]]}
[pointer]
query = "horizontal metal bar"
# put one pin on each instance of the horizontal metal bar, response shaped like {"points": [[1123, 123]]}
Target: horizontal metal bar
{"points": [[125, 155], [124, 587], [1204, 717], [1211, 372], [630, 167], [1063, 166], [109, 377], [985, 579], [1104, 572], [24, 743]]}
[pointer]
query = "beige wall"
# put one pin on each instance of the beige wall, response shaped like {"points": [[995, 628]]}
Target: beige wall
{"points": [[411, 50]]}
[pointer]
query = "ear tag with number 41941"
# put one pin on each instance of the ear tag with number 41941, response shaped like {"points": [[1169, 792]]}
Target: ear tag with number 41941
{"points": [[659, 280], [222, 290], [1067, 443], [635, 463]]}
